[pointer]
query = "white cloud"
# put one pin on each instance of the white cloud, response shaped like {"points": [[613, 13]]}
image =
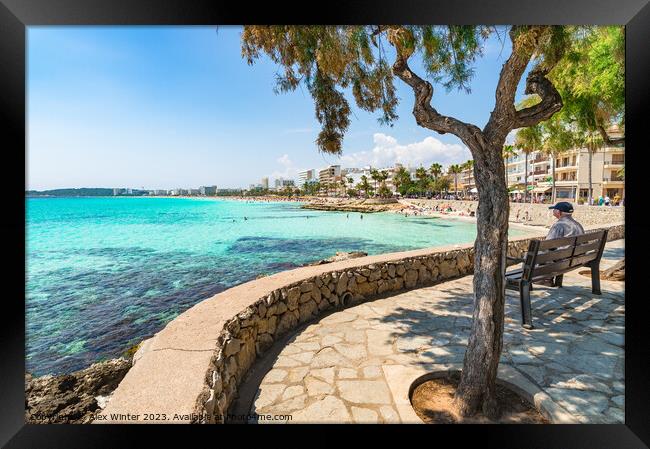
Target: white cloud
{"points": [[387, 151], [288, 171]]}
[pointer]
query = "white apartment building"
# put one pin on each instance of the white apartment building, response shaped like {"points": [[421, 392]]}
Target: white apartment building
{"points": [[572, 172], [208, 190], [307, 176], [329, 176]]}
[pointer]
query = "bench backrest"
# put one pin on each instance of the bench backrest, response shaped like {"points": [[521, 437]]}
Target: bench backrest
{"points": [[548, 258]]}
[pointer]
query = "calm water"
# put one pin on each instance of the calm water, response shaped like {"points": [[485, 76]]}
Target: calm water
{"points": [[104, 273]]}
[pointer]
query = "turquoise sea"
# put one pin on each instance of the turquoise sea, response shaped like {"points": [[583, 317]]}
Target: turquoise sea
{"points": [[104, 273]]}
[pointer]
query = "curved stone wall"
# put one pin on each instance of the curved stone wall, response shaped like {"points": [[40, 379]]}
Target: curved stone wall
{"points": [[190, 371]]}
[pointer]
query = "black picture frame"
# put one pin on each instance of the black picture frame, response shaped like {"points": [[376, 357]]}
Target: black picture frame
{"points": [[16, 15]]}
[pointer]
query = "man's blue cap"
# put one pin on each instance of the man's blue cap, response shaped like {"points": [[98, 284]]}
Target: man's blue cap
{"points": [[563, 206]]}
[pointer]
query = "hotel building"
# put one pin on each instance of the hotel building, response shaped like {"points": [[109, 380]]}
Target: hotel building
{"points": [[307, 176], [329, 179], [572, 171]]}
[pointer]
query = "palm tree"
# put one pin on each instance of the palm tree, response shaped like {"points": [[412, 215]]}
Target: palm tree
{"points": [[422, 175], [468, 165], [436, 171], [455, 169], [528, 140], [364, 185], [508, 152], [592, 140], [397, 182], [557, 139], [402, 178], [350, 181], [343, 183], [374, 174]]}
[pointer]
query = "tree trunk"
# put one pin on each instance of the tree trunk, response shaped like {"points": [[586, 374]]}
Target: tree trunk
{"points": [[525, 177], [615, 273], [476, 390], [591, 189], [553, 180]]}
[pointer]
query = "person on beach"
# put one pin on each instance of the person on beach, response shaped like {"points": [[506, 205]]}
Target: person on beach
{"points": [[566, 225], [362, 216]]}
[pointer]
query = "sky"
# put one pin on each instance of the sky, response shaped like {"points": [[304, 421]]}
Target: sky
{"points": [[160, 107]]}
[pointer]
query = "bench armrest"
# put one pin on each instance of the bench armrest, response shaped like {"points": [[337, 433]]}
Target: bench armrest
{"points": [[514, 259]]}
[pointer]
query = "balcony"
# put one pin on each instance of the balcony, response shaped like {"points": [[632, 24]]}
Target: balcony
{"points": [[614, 163], [613, 180], [566, 167], [566, 182]]}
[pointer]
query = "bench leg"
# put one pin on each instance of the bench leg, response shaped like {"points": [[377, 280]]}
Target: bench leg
{"points": [[558, 280], [524, 298], [595, 279]]}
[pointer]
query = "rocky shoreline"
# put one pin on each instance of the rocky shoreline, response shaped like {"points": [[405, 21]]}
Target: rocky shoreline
{"points": [[73, 398], [354, 205]]}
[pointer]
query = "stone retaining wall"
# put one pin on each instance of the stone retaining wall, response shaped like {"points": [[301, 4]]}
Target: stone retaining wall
{"points": [[297, 296], [538, 214]]}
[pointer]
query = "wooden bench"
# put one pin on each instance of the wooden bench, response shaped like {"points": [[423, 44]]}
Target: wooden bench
{"points": [[550, 259]]}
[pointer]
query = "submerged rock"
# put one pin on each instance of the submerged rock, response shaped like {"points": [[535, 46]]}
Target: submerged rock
{"points": [[340, 255], [74, 397]]}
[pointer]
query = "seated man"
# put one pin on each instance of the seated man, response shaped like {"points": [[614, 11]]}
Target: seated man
{"points": [[565, 226]]}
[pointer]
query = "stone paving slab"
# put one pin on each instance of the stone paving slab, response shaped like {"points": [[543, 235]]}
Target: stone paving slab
{"points": [[335, 369]]}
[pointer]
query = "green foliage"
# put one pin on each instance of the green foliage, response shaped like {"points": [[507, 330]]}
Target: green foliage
{"points": [[330, 59], [130, 352], [365, 186], [435, 170], [384, 191], [591, 79], [311, 188], [529, 139], [448, 52], [439, 184]]}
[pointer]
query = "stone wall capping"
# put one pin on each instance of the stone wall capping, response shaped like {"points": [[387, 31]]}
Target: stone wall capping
{"points": [[194, 365]]}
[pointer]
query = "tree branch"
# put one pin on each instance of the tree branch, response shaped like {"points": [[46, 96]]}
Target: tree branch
{"points": [[609, 140], [502, 117], [425, 114], [537, 83], [505, 117]]}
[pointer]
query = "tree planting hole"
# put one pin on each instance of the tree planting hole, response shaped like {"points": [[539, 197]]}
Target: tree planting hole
{"points": [[432, 399]]}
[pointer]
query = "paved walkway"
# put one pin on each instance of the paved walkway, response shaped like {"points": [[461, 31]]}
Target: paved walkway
{"points": [[337, 368]]}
